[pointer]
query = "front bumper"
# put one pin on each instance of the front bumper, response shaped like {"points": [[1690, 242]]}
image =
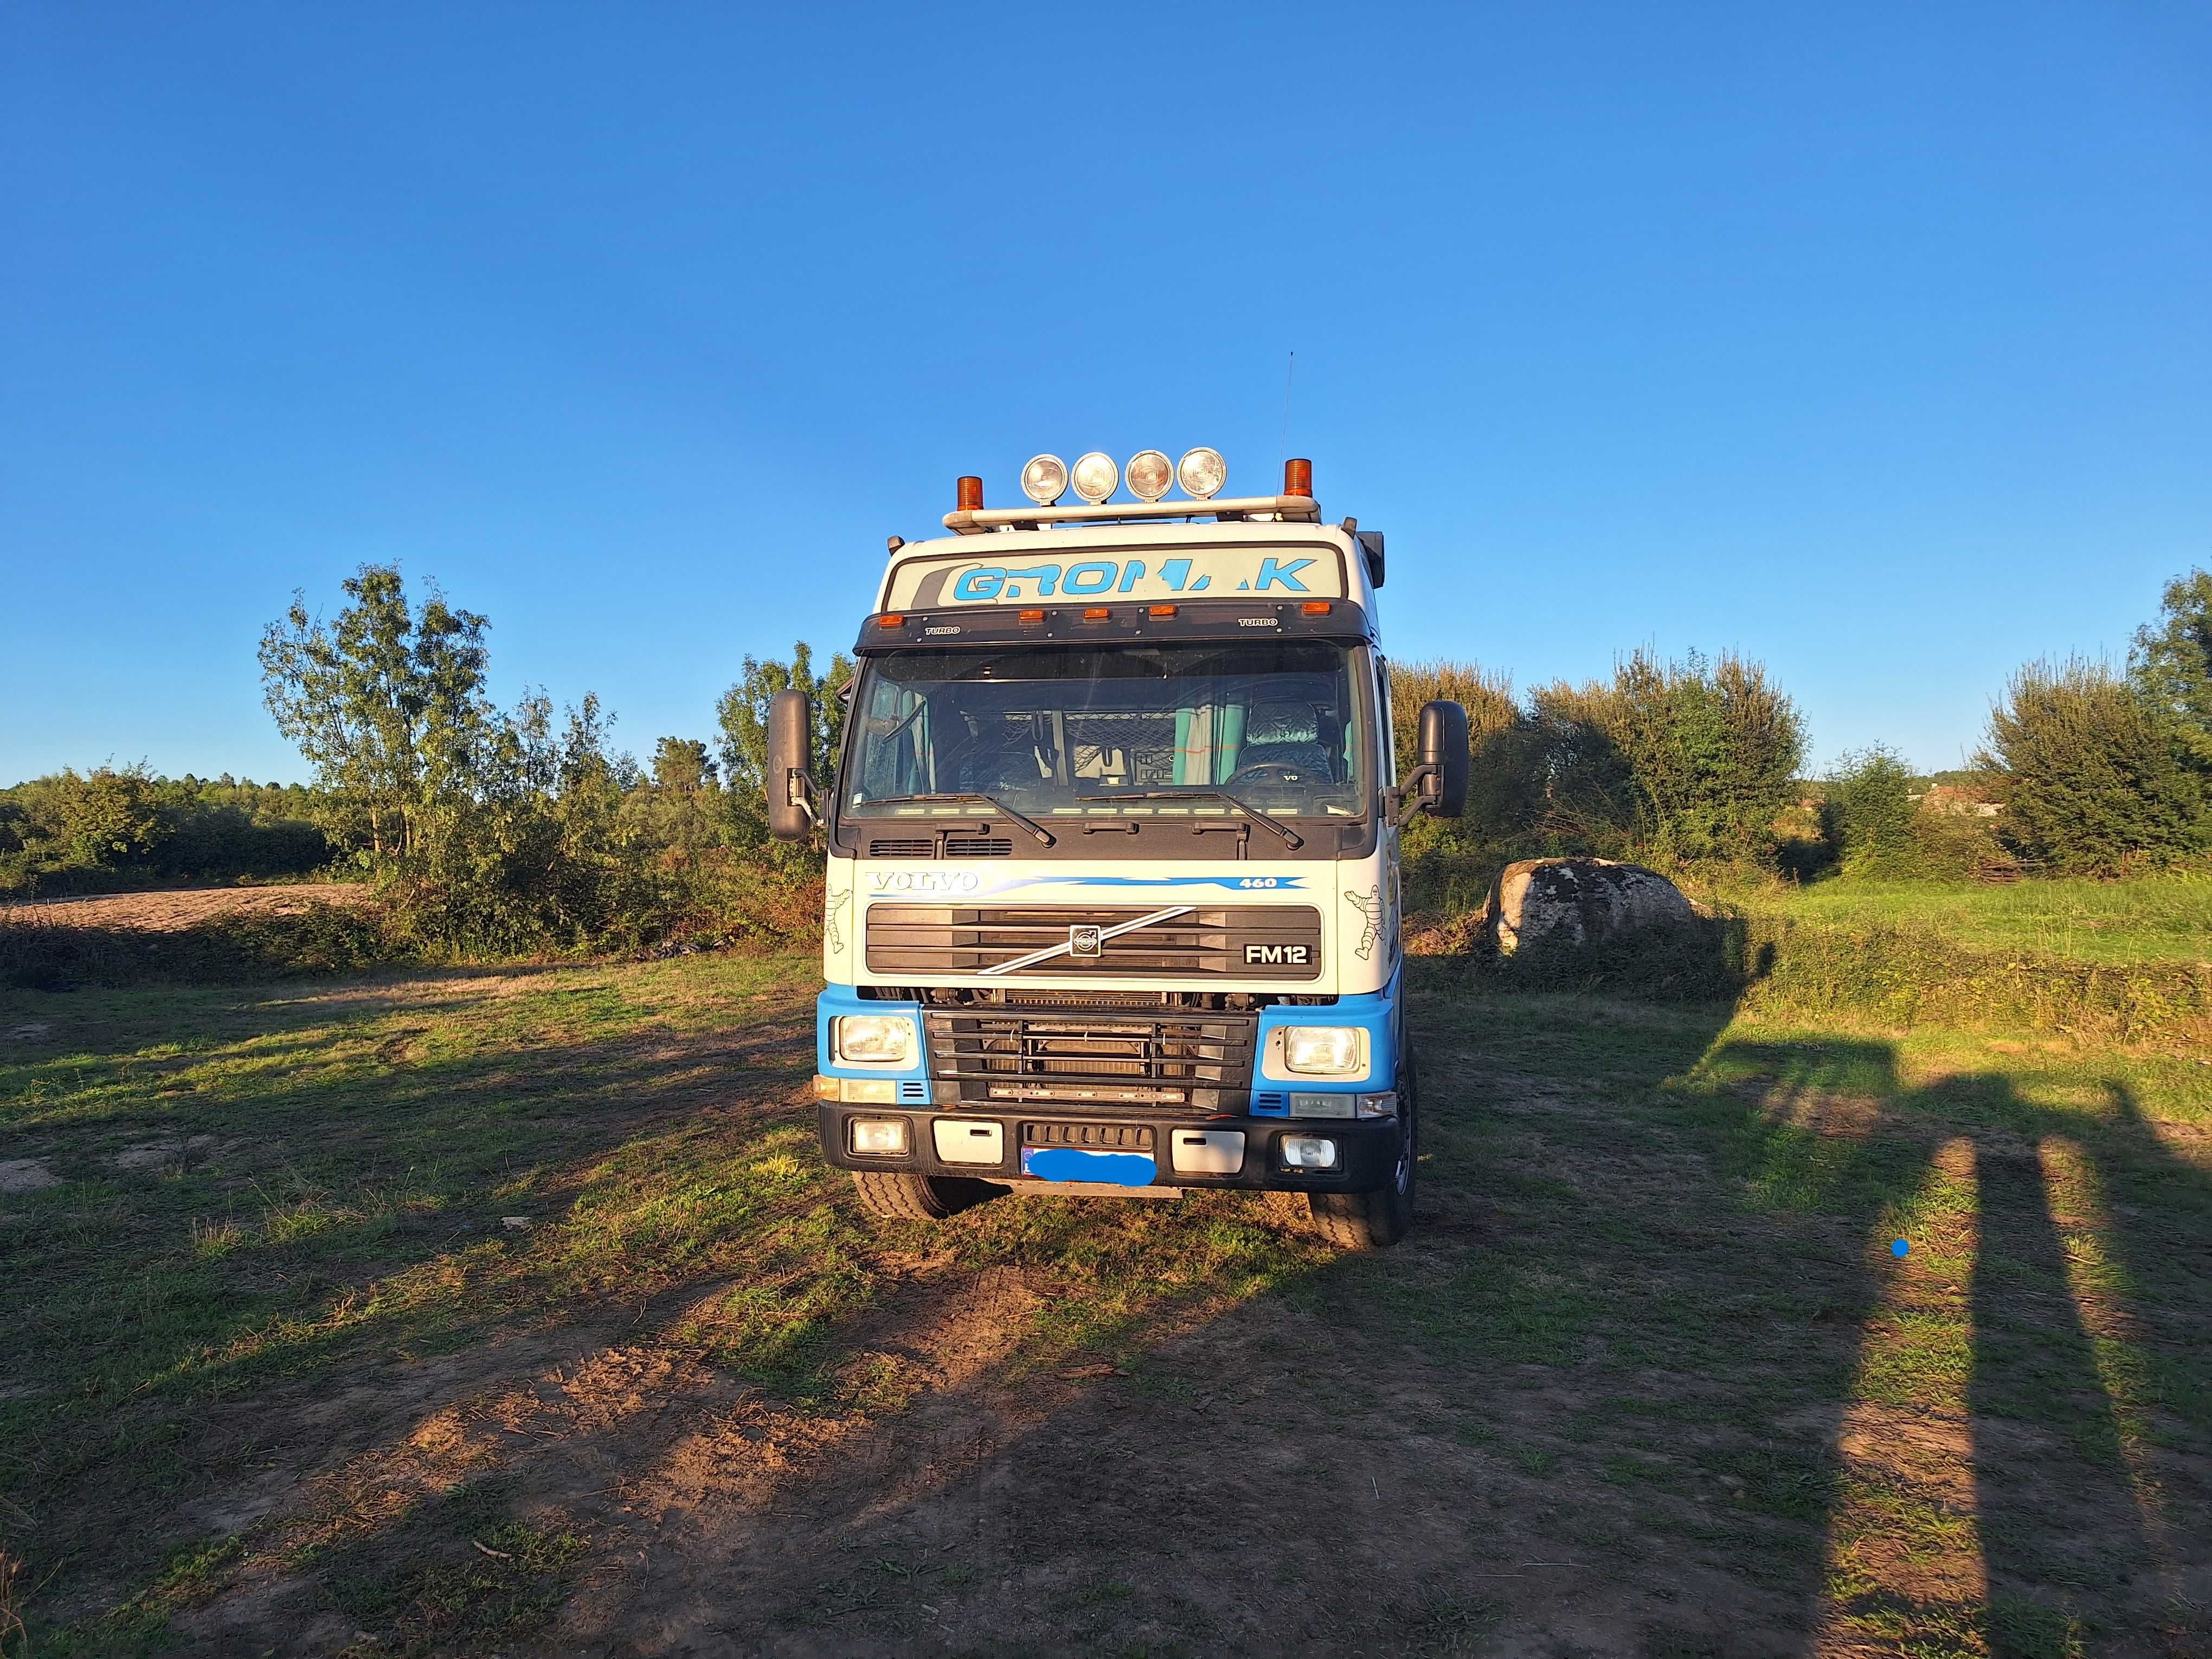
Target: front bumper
{"points": [[1367, 1148]]}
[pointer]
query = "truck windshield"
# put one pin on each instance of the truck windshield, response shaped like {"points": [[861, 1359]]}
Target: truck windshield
{"points": [[1049, 729]]}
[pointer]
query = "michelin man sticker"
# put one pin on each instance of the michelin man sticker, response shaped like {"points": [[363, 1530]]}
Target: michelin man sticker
{"points": [[1369, 906]]}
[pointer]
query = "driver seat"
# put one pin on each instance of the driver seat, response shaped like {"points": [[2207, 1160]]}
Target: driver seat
{"points": [[1283, 734]]}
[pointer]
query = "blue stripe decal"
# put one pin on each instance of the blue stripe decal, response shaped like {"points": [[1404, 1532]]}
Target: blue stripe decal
{"points": [[1232, 883]]}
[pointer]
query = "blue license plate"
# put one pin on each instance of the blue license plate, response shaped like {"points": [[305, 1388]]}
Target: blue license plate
{"points": [[1073, 1164]]}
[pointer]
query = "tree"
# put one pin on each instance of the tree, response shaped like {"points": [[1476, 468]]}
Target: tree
{"points": [[682, 766], [2171, 666], [742, 713], [2093, 781], [388, 705]]}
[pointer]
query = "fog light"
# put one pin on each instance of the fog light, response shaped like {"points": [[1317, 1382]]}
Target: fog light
{"points": [[1044, 480], [1095, 477], [882, 1136], [1309, 1151], [1149, 473], [1382, 1105], [1320, 1105], [1201, 472]]}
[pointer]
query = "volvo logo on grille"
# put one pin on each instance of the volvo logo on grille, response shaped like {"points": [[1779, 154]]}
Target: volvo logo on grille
{"points": [[1293, 956], [1084, 942]]}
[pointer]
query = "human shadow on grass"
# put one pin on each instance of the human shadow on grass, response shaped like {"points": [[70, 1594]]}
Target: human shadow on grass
{"points": [[2065, 1540]]}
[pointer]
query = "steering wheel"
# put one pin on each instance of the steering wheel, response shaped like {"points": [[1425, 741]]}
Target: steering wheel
{"points": [[1269, 772]]}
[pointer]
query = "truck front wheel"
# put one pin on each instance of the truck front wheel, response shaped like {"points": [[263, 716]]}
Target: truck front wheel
{"points": [[903, 1196], [1376, 1220]]}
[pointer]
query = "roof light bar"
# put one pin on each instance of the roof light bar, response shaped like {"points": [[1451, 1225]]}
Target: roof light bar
{"points": [[1094, 477]]}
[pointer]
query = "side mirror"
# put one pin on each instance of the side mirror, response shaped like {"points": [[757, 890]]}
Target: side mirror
{"points": [[1440, 758], [1371, 544], [790, 784]]}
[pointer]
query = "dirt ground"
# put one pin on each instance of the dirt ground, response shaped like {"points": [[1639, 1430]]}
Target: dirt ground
{"points": [[1647, 1380], [171, 910]]}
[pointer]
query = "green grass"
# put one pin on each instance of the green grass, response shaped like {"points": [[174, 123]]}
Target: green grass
{"points": [[260, 1195], [2167, 919], [1648, 1324]]}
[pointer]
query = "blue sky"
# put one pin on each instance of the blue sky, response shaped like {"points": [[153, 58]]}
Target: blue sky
{"points": [[1873, 342]]}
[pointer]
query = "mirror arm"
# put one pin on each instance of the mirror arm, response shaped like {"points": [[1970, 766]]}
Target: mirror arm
{"points": [[1410, 786], [800, 791]]}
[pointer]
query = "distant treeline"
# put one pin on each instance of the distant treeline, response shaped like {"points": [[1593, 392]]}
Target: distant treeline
{"points": [[110, 827], [499, 832], [2086, 769]]}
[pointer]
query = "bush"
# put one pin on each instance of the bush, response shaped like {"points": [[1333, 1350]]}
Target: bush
{"points": [[1672, 765], [2091, 773], [1870, 812]]}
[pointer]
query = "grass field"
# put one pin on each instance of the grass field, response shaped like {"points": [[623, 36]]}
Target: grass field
{"points": [[513, 1312], [2150, 920]]}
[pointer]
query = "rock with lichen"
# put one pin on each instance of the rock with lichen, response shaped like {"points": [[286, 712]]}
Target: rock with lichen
{"points": [[1576, 902]]}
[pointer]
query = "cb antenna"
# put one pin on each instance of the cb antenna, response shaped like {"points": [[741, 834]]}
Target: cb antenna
{"points": [[1289, 372]]}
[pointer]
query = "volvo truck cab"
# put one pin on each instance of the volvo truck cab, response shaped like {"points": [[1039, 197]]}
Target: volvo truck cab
{"points": [[1112, 900]]}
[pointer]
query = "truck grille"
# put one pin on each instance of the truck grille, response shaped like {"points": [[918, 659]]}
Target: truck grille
{"points": [[1280, 942], [1198, 1061], [925, 847]]}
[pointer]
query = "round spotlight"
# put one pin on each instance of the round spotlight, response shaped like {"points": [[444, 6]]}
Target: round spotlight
{"points": [[1095, 477], [1044, 480], [1150, 473], [1201, 472]]}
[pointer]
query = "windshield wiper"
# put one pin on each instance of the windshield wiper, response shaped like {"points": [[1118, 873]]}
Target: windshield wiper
{"points": [[976, 797], [1291, 838]]}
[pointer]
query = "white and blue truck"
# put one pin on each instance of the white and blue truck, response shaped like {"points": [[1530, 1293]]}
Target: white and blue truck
{"points": [[1113, 898]]}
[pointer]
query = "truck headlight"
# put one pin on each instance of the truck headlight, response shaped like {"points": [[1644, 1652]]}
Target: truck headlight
{"points": [[873, 1039], [1325, 1050]]}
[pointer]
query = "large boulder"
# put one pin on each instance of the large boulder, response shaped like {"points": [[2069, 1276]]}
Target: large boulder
{"points": [[1574, 902]]}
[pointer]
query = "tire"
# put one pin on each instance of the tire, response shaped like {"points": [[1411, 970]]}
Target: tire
{"points": [[899, 1195], [1376, 1220]]}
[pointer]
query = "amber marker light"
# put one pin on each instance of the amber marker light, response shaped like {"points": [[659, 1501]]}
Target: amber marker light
{"points": [[1315, 607], [967, 494], [1096, 613], [1297, 479], [892, 619], [1029, 618], [1162, 610]]}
